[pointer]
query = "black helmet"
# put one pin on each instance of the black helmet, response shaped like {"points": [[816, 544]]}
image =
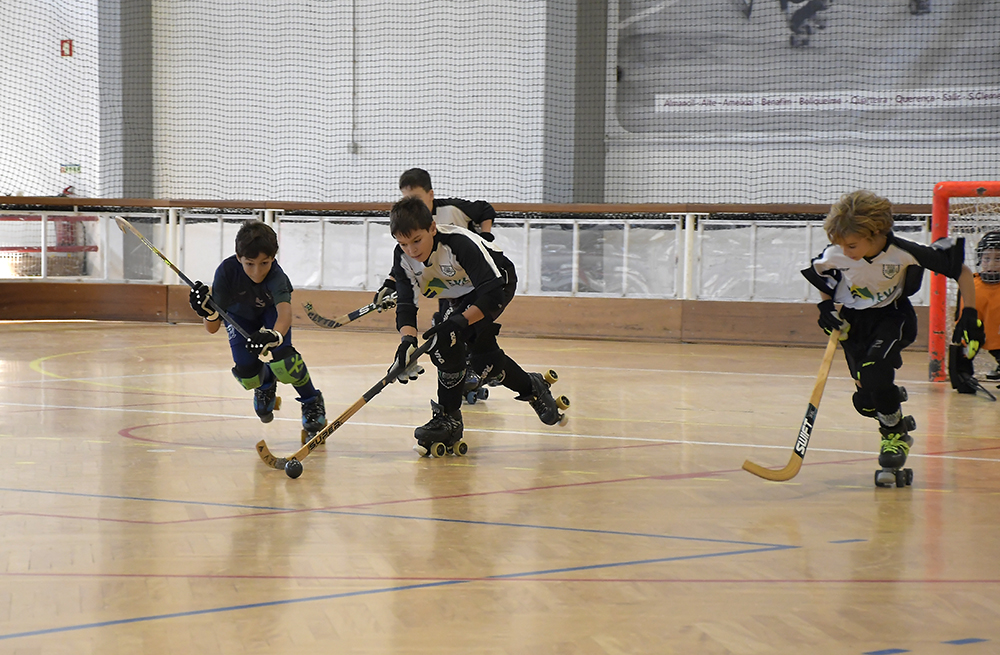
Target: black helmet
{"points": [[990, 241]]}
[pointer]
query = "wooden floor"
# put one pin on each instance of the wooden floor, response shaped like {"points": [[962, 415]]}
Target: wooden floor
{"points": [[137, 518]]}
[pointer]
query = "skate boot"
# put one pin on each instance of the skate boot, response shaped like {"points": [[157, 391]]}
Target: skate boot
{"points": [[474, 390], [265, 401], [441, 435], [896, 442], [541, 399], [313, 417]]}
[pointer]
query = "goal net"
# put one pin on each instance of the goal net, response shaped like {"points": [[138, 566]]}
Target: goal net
{"points": [[968, 210]]}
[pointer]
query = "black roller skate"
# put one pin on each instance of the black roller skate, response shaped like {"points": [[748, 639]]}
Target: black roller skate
{"points": [[474, 389], [313, 417], [541, 399], [266, 402], [442, 435], [896, 443]]}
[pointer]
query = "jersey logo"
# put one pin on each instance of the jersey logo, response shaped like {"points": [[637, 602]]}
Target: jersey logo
{"points": [[434, 287], [448, 270], [862, 292], [890, 270]]}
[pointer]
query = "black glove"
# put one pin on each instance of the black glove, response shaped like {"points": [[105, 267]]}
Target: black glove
{"points": [[830, 320], [263, 342], [454, 323], [406, 373], [381, 298], [488, 236], [969, 332], [200, 293]]}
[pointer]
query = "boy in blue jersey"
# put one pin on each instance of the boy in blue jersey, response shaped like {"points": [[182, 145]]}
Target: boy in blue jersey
{"points": [[477, 281], [872, 272], [251, 287]]}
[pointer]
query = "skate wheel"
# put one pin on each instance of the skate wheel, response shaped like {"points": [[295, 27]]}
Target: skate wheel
{"points": [[563, 419], [909, 476], [900, 478], [903, 396], [884, 478], [483, 393], [420, 450], [471, 397], [277, 403], [562, 402], [459, 448], [438, 450], [551, 376], [909, 423]]}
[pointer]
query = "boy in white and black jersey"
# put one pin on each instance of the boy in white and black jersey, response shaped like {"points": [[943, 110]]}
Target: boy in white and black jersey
{"points": [[474, 215], [871, 273], [477, 281]]}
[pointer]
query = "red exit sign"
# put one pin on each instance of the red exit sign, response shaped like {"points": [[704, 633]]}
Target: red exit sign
{"points": [[66, 47]]}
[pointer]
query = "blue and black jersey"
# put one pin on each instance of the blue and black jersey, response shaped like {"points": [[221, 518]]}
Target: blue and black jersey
{"points": [[239, 296]]}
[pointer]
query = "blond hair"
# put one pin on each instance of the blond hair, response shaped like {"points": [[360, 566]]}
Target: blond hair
{"points": [[860, 212]]}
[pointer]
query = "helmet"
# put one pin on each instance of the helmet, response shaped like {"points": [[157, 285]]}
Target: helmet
{"points": [[990, 241]]}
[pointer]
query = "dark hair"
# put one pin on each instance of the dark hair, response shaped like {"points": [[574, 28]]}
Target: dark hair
{"points": [[409, 215], [416, 177], [255, 238]]}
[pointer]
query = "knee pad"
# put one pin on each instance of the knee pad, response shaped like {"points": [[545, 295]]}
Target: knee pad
{"points": [[864, 403], [249, 376], [450, 380], [448, 353], [290, 369]]}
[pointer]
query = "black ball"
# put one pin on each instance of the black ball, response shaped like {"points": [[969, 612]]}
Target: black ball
{"points": [[293, 468]]}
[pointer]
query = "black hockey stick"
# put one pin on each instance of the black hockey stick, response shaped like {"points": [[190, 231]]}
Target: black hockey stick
{"points": [[125, 226], [805, 430], [340, 321], [292, 464]]}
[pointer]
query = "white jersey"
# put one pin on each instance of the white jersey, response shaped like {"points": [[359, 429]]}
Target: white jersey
{"points": [[881, 280]]}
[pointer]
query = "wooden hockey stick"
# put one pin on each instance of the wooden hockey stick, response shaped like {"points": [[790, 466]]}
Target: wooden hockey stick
{"points": [[340, 321], [127, 227], [292, 464], [805, 431]]}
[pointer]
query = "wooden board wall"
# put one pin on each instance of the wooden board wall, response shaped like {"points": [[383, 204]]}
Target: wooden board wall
{"points": [[692, 321]]}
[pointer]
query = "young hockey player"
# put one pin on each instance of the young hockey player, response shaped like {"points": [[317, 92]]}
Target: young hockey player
{"points": [[988, 295], [872, 272], [478, 281], [251, 287], [476, 216]]}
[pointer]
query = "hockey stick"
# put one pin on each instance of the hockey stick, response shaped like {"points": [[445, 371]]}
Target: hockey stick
{"points": [[340, 321], [805, 431], [126, 227], [292, 464]]}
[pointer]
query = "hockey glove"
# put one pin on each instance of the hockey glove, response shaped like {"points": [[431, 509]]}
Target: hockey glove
{"points": [[406, 370], [199, 296], [830, 320], [382, 297], [453, 325], [969, 332], [263, 342]]}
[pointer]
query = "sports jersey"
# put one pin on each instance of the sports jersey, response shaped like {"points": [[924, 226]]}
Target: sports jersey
{"points": [[460, 263], [881, 280], [238, 295], [988, 309], [463, 213]]}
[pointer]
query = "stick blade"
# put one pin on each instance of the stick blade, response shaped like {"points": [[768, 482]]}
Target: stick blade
{"points": [[123, 225], [268, 458], [776, 475]]}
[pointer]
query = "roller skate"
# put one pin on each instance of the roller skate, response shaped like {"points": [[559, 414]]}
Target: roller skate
{"points": [[266, 402], [474, 389], [541, 399], [313, 417], [442, 435], [896, 443]]}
